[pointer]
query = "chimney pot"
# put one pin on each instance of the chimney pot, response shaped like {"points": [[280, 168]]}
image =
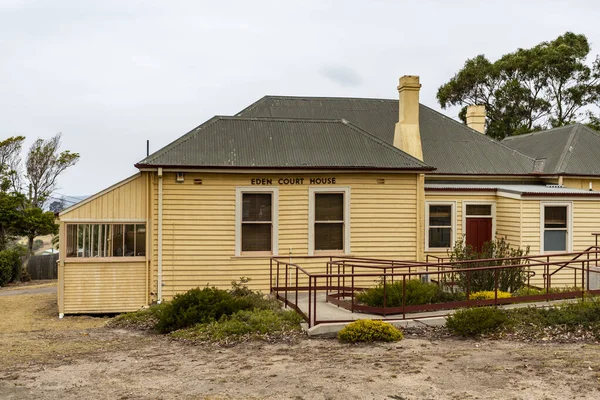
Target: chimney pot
{"points": [[476, 118]]}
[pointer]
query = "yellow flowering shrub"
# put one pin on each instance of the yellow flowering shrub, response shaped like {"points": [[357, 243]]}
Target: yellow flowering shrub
{"points": [[366, 330], [489, 295]]}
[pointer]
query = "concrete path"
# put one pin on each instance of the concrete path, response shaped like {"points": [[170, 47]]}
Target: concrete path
{"points": [[329, 312], [25, 290]]}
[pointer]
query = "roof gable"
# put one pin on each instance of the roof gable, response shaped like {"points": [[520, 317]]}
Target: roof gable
{"points": [[241, 142]]}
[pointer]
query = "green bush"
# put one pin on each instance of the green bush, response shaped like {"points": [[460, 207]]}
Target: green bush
{"points": [[509, 280], [199, 306], [489, 295], [366, 330], [256, 323], [569, 315], [477, 321], [146, 318], [10, 265], [532, 291], [417, 292]]}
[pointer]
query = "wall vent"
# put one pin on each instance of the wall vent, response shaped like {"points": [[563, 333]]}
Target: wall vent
{"points": [[553, 186]]}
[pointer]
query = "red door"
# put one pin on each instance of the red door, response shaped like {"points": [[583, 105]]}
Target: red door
{"points": [[479, 231]]}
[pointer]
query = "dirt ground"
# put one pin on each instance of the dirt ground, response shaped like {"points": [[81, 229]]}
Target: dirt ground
{"points": [[43, 357]]}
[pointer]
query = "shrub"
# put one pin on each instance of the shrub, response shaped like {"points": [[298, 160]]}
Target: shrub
{"points": [[509, 280], [532, 291], [417, 292], [476, 321], [489, 295], [198, 306], [569, 315], [10, 265], [255, 323], [366, 330], [146, 318]]}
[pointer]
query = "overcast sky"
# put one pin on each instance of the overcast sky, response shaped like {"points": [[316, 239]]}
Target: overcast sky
{"points": [[110, 74]]}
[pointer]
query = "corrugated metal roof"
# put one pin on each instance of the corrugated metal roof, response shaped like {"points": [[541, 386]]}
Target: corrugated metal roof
{"points": [[449, 146], [571, 150], [523, 189], [241, 142]]}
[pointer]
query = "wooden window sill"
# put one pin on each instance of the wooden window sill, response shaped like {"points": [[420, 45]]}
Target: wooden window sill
{"points": [[74, 260]]}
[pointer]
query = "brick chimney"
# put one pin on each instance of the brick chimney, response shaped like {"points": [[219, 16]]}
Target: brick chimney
{"points": [[476, 118], [407, 136]]}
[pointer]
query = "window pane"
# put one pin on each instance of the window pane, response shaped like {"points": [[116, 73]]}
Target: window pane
{"points": [[440, 216], [479, 209], [140, 240], [329, 236], [81, 240], [129, 241], [555, 241], [117, 240], [256, 237], [555, 217], [71, 240], [329, 207], [439, 237], [256, 207]]}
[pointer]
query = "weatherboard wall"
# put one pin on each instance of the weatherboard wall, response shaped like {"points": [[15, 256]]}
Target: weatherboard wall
{"points": [[199, 225], [124, 201], [112, 284]]}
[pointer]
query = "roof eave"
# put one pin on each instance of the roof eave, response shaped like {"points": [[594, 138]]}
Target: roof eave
{"points": [[310, 168]]}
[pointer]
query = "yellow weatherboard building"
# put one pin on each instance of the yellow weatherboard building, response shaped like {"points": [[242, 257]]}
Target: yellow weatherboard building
{"points": [[303, 176]]}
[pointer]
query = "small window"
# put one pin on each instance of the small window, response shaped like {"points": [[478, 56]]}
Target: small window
{"points": [[439, 226], [556, 228], [329, 221], [105, 240], [484, 210], [257, 222]]}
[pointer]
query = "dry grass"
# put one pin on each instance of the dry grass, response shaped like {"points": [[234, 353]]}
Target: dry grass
{"points": [[30, 285], [31, 332]]}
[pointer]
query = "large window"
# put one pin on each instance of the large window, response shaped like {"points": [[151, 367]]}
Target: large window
{"points": [[256, 215], [257, 222], [329, 225], [106, 240], [440, 225], [555, 223]]}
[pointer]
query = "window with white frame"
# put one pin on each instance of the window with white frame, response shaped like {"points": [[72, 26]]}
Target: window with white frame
{"points": [[329, 226], [256, 227], [440, 225], [555, 223]]}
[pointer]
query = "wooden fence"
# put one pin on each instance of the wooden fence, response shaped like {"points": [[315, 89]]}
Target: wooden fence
{"points": [[43, 266]]}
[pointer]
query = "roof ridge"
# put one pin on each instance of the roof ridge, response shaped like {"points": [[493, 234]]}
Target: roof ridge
{"points": [[279, 119], [566, 154], [328, 98], [541, 132]]}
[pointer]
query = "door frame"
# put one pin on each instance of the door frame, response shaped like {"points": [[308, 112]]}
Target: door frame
{"points": [[465, 203]]}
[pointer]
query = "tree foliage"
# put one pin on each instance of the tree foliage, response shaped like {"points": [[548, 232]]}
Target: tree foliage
{"points": [[548, 85], [23, 192], [43, 166]]}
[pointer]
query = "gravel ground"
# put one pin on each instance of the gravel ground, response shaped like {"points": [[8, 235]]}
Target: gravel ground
{"points": [[79, 357]]}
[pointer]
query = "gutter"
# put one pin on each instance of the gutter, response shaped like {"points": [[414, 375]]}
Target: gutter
{"points": [[160, 233]]}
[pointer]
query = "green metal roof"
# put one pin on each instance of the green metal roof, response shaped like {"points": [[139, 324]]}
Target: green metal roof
{"points": [[568, 150], [448, 145], [245, 142]]}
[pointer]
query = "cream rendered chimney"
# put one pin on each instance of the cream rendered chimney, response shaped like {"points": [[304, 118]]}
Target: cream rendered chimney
{"points": [[476, 118], [407, 136]]}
